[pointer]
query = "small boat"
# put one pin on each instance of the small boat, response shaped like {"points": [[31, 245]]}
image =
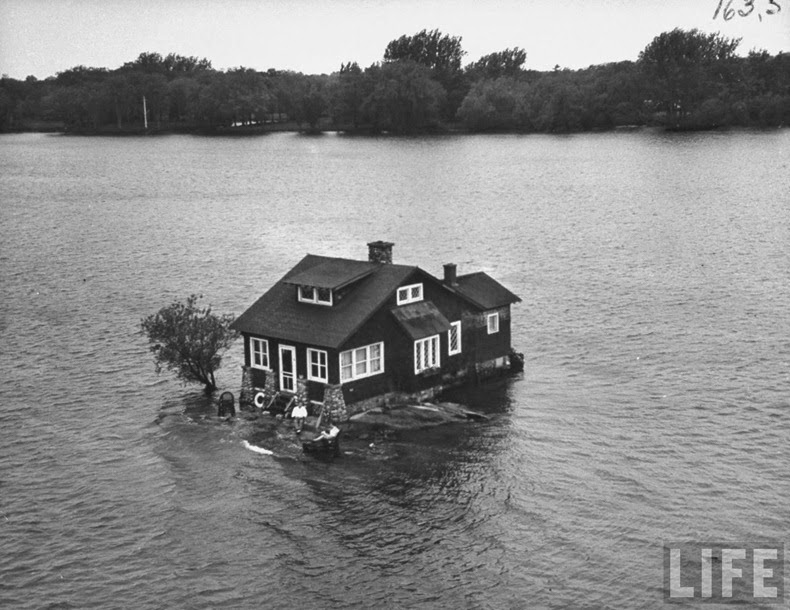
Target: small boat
{"points": [[323, 444]]}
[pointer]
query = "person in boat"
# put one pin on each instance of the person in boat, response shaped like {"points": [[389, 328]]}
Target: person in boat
{"points": [[329, 432], [299, 414]]}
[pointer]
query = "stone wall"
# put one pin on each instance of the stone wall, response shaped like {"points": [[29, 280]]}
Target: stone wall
{"points": [[334, 403], [492, 368], [301, 399], [270, 385], [249, 390]]}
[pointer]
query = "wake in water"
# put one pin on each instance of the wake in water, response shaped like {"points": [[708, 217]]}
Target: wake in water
{"points": [[257, 449]]}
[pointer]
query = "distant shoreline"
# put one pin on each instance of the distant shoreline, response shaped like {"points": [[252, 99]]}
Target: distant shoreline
{"points": [[291, 127]]}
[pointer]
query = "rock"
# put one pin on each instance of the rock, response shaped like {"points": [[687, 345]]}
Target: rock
{"points": [[411, 417]]}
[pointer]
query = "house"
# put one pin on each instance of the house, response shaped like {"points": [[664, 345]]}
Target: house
{"points": [[351, 334]]}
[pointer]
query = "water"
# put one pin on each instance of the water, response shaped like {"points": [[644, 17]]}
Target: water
{"points": [[654, 405]]}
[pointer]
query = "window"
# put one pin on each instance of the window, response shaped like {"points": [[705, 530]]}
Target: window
{"points": [[426, 354], [409, 294], [493, 323], [316, 365], [309, 294], [362, 362], [454, 338], [259, 353]]}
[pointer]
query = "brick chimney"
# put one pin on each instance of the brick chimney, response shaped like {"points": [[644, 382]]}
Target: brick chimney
{"points": [[380, 252], [450, 274]]}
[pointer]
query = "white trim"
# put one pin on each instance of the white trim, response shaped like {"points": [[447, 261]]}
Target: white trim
{"points": [[360, 362], [412, 294], [315, 299], [265, 360], [458, 349], [492, 328], [321, 365], [427, 354], [292, 375]]}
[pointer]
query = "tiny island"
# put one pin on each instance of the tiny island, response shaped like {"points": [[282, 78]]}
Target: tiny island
{"points": [[365, 343], [342, 336], [370, 345], [682, 80]]}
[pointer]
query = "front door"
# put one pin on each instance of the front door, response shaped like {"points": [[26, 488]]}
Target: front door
{"points": [[287, 368]]}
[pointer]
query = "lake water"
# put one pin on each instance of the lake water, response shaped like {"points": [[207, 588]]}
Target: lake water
{"points": [[655, 404]]}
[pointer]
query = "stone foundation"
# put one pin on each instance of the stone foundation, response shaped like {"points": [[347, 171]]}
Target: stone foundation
{"points": [[335, 403], [247, 391], [475, 373], [492, 368], [269, 386], [300, 399]]}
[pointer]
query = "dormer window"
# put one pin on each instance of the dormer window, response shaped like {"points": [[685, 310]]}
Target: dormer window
{"points": [[311, 294], [409, 294]]}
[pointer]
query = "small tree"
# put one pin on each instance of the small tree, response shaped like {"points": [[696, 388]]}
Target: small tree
{"points": [[189, 340]]}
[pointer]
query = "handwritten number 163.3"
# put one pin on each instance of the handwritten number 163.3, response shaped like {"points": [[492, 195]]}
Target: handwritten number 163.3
{"points": [[748, 6]]}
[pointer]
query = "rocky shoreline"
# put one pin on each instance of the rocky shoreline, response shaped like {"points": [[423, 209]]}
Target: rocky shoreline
{"points": [[366, 434]]}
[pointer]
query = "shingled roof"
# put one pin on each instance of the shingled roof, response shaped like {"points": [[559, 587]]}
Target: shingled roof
{"points": [[421, 320], [484, 291], [332, 273], [280, 315]]}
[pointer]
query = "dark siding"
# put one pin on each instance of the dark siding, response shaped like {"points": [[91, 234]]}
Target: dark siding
{"points": [[380, 327], [484, 346], [399, 347], [301, 362], [477, 346]]}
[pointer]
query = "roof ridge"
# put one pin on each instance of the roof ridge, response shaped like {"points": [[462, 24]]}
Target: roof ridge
{"points": [[359, 260], [378, 303]]}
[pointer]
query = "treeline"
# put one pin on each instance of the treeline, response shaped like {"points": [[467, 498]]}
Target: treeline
{"points": [[681, 80]]}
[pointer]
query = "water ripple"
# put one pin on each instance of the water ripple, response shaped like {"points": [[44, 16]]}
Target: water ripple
{"points": [[653, 405]]}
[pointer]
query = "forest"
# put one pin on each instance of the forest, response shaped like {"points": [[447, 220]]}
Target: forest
{"points": [[683, 79]]}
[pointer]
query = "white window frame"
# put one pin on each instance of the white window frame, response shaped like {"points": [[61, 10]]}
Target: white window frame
{"points": [[455, 326], [361, 362], [264, 353], [320, 359], [492, 323], [427, 354], [411, 294], [315, 299]]}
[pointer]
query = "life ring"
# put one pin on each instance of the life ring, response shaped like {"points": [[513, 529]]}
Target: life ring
{"points": [[259, 400]]}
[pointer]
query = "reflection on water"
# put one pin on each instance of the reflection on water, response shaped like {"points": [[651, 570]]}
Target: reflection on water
{"points": [[653, 405]]}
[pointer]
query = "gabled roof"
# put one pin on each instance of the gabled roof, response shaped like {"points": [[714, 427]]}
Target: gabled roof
{"points": [[421, 320], [280, 315], [484, 291], [333, 273]]}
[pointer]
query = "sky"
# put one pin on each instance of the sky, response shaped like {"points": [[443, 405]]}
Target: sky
{"points": [[44, 37]]}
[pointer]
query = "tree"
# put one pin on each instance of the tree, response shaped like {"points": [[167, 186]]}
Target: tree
{"points": [[442, 54], [346, 94], [685, 68], [404, 98], [492, 104], [313, 105], [509, 62], [189, 340]]}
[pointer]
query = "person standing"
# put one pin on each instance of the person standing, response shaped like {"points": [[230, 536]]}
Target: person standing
{"points": [[299, 414]]}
